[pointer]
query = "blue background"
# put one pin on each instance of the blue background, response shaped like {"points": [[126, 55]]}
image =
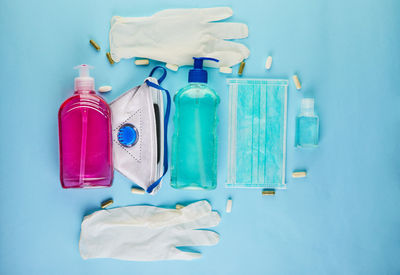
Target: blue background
{"points": [[342, 219]]}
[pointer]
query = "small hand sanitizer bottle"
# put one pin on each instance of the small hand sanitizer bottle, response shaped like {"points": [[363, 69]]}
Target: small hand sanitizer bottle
{"points": [[307, 125]]}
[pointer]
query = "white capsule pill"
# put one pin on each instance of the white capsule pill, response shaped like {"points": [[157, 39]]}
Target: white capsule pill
{"points": [[141, 62], [172, 67], [105, 89], [299, 174], [225, 70], [268, 64], [296, 82], [139, 191], [228, 206]]}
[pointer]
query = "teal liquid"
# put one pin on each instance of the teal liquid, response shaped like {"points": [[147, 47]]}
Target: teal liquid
{"points": [[194, 143], [307, 131]]}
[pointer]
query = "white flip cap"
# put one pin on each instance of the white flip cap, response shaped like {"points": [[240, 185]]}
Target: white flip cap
{"points": [[307, 106]]}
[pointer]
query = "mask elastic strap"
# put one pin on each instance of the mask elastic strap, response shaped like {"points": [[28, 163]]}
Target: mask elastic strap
{"points": [[166, 118], [161, 79]]}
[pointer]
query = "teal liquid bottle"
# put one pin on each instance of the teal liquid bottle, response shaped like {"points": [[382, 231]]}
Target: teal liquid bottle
{"points": [[194, 142], [307, 125]]}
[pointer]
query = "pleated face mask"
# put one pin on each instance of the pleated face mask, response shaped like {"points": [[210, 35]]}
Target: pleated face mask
{"points": [[257, 133], [139, 131]]}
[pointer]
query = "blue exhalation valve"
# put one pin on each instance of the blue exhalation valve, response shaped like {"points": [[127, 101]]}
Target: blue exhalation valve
{"points": [[198, 74], [127, 135]]}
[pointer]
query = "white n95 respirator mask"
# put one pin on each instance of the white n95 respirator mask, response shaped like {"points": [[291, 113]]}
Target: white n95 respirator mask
{"points": [[139, 133]]}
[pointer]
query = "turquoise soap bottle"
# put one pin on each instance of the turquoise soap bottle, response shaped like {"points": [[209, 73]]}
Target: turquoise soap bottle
{"points": [[194, 142], [307, 125]]}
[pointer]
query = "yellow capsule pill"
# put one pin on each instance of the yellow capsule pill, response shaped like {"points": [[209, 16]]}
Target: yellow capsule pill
{"points": [[241, 67], [296, 82], [95, 45], [107, 203], [109, 58], [179, 206], [299, 174], [268, 192]]}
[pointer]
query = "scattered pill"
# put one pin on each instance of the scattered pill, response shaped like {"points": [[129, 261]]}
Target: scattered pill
{"points": [[268, 192], [105, 89], [136, 190], [228, 206], [95, 45], [172, 67], [107, 203], [296, 82], [179, 206], [109, 58], [268, 64], [241, 67], [299, 174], [225, 70], [141, 62]]}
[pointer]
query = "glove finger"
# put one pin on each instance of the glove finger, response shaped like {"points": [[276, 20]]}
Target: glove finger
{"points": [[197, 209], [216, 14], [227, 52], [197, 238], [229, 30], [210, 220], [206, 14], [189, 213]]}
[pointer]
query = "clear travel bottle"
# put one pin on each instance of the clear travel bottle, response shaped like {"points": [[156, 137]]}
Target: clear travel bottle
{"points": [[84, 122], [307, 125], [194, 143]]}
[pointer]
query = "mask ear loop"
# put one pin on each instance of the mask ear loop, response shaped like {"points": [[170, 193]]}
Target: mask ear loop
{"points": [[161, 79], [166, 118]]}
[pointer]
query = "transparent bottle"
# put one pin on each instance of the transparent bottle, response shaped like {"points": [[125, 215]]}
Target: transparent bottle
{"points": [[84, 122], [307, 125], [194, 143]]}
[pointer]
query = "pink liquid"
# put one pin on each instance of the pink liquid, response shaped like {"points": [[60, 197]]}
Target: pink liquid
{"points": [[84, 122]]}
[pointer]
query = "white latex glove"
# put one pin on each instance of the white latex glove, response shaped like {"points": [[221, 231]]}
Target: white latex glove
{"points": [[148, 233], [176, 36]]}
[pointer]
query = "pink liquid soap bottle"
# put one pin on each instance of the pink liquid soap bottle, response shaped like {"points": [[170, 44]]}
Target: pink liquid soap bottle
{"points": [[84, 125]]}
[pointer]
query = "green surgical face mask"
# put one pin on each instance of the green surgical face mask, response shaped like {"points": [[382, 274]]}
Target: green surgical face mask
{"points": [[257, 133]]}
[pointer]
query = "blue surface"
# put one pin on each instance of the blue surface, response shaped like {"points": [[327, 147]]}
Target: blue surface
{"points": [[343, 219]]}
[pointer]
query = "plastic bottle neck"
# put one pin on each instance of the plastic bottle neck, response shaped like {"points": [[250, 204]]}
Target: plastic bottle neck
{"points": [[307, 113], [81, 92], [198, 83]]}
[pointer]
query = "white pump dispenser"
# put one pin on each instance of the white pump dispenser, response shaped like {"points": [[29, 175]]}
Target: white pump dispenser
{"points": [[84, 82]]}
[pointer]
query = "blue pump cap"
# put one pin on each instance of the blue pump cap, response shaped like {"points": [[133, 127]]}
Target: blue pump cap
{"points": [[127, 135], [198, 74]]}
